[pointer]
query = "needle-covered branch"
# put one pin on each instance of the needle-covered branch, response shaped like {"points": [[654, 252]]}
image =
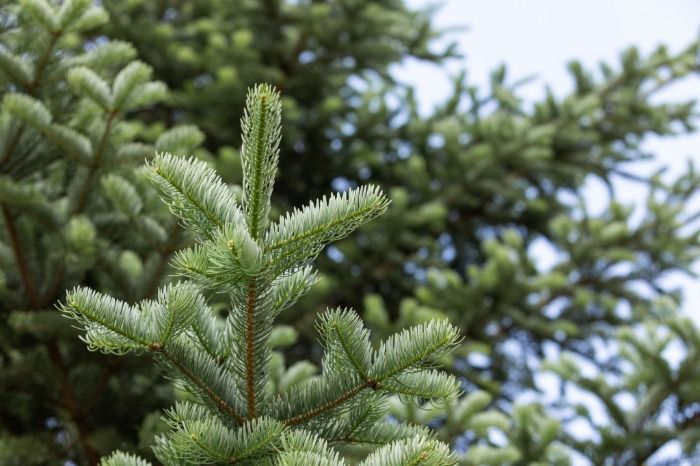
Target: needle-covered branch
{"points": [[236, 418], [261, 134]]}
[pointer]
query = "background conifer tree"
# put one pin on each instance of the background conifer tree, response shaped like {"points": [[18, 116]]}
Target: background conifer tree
{"points": [[475, 184], [76, 209]]}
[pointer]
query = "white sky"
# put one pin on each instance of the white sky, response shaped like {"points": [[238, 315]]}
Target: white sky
{"points": [[539, 37]]}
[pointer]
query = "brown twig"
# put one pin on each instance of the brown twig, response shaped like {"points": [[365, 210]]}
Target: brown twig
{"points": [[43, 61], [10, 149], [21, 261], [94, 165], [220, 403], [303, 417], [250, 348]]}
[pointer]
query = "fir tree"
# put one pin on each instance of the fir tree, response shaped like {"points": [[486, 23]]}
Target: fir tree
{"points": [[604, 287], [236, 414], [476, 183], [76, 209], [210, 51]]}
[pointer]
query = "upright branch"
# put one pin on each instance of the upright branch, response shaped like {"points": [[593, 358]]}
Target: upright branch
{"points": [[261, 133]]}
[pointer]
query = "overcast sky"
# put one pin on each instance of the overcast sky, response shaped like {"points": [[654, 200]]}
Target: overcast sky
{"points": [[538, 37]]}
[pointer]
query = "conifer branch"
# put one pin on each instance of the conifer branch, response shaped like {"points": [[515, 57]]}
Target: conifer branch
{"points": [[95, 162], [349, 353], [119, 458], [195, 194], [413, 346], [300, 236], [30, 289], [411, 452], [199, 383], [261, 133], [342, 398], [31, 89], [257, 175], [301, 447], [88, 308], [43, 61], [396, 367], [10, 149], [291, 287], [262, 274]]}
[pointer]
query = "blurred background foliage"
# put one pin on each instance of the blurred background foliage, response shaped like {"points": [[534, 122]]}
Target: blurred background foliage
{"points": [[477, 185]]}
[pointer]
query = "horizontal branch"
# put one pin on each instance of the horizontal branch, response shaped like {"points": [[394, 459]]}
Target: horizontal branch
{"points": [[303, 417]]}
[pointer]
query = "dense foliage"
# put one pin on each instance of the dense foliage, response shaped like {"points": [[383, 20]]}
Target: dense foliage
{"points": [[76, 209], [478, 186], [240, 413]]}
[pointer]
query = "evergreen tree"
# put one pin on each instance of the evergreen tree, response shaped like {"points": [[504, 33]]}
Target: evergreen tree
{"points": [[76, 209], [610, 272], [476, 185], [237, 413], [210, 51]]}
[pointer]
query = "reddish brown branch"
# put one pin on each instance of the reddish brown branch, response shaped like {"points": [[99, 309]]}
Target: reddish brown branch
{"points": [[250, 348], [94, 165], [220, 403], [10, 149], [21, 261], [303, 417], [43, 61]]}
